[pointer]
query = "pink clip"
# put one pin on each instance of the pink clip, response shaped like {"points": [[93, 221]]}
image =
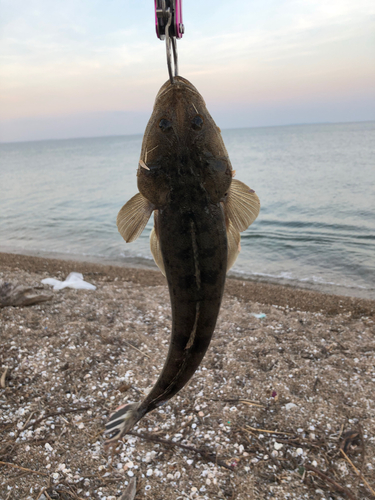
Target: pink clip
{"points": [[162, 8], [179, 27]]}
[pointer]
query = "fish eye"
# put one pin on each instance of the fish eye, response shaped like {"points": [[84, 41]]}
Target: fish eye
{"points": [[197, 122], [165, 125]]}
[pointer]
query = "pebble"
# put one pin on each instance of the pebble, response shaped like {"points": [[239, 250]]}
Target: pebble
{"points": [[181, 470], [289, 406]]}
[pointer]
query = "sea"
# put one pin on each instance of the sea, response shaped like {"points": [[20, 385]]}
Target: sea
{"points": [[316, 184]]}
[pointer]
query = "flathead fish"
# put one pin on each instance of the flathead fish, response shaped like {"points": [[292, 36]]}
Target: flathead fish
{"points": [[186, 179]]}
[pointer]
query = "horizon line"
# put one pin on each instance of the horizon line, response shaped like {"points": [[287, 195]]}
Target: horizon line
{"points": [[222, 129]]}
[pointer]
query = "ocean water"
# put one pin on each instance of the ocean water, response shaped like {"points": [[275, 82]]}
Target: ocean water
{"points": [[316, 184]]}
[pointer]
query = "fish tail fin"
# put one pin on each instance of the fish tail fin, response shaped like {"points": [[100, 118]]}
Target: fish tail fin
{"points": [[121, 421]]}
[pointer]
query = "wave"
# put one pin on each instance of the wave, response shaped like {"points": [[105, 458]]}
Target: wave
{"points": [[288, 276]]}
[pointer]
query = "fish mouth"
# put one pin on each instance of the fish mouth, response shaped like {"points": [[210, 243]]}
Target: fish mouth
{"points": [[179, 83]]}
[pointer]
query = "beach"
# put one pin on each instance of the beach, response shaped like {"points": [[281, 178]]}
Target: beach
{"points": [[282, 405]]}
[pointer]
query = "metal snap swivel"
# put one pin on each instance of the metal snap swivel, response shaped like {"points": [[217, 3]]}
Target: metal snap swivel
{"points": [[169, 27]]}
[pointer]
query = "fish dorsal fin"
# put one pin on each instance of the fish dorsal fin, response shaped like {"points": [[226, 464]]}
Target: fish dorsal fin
{"points": [[155, 245], [241, 205], [133, 217], [234, 245]]}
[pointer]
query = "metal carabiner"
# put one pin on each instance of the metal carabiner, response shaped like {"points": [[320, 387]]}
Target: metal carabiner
{"points": [[169, 26], [171, 41]]}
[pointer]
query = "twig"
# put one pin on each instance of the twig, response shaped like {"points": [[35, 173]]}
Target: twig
{"points": [[244, 401], [56, 414], [211, 457], [98, 434], [138, 391], [28, 420], [3, 378], [10, 445], [326, 478], [130, 345], [16, 478], [363, 451], [54, 487], [357, 472], [269, 432], [250, 403], [341, 431], [43, 491], [23, 468], [273, 459], [299, 442], [40, 493], [349, 438]]}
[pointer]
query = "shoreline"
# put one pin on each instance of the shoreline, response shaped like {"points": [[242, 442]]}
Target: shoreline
{"points": [[147, 263], [246, 290]]}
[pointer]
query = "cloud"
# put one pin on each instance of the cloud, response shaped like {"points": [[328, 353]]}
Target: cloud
{"points": [[89, 57]]}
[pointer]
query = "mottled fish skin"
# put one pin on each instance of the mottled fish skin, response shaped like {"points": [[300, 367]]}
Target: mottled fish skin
{"points": [[184, 176], [195, 266]]}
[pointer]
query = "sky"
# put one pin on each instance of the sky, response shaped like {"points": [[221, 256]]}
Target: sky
{"points": [[86, 68]]}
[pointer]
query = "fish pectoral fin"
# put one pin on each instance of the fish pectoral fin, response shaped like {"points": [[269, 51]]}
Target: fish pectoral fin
{"points": [[155, 245], [241, 205], [234, 245], [133, 217]]}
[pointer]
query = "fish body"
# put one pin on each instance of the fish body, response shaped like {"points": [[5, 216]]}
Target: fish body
{"points": [[185, 177]]}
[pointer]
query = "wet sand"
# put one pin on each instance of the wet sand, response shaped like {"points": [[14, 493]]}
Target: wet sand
{"points": [[263, 293]]}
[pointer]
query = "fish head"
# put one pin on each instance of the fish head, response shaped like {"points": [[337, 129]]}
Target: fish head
{"points": [[182, 145]]}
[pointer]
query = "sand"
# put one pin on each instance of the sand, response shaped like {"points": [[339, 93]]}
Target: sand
{"points": [[267, 415]]}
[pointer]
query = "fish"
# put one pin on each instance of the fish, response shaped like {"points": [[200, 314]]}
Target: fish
{"points": [[185, 178]]}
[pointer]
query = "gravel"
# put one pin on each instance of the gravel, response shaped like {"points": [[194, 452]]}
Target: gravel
{"points": [[273, 396]]}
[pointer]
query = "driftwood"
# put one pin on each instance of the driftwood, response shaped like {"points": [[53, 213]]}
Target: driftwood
{"points": [[18, 295]]}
